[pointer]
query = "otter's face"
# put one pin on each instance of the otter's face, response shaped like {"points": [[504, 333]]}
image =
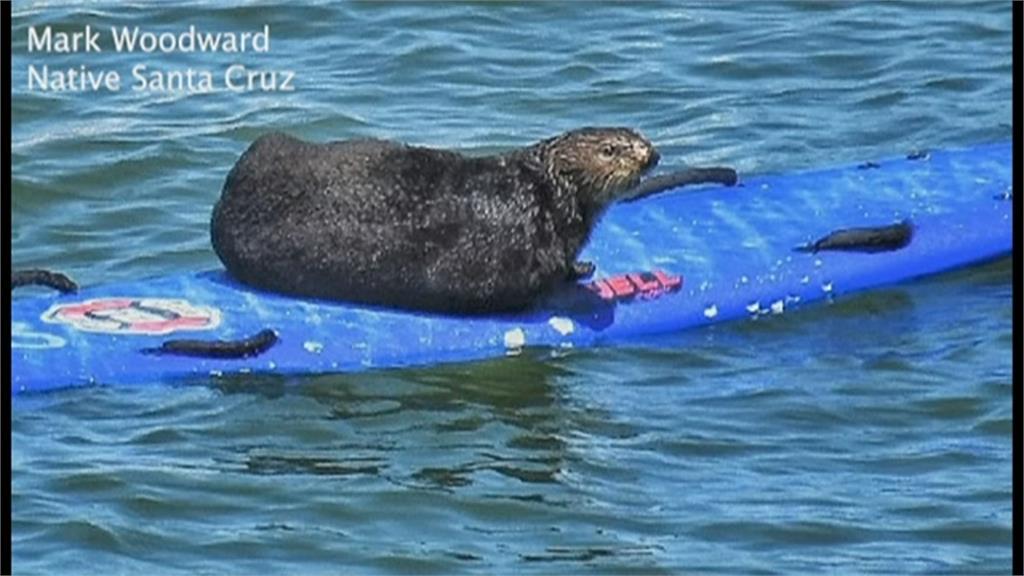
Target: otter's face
{"points": [[602, 163]]}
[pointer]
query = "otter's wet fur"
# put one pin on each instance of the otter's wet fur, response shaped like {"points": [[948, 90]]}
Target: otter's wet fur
{"points": [[381, 222]]}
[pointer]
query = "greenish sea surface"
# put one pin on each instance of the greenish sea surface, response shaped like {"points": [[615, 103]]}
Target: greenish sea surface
{"points": [[871, 435]]}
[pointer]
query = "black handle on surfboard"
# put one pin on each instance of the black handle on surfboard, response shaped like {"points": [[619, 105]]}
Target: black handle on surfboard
{"points": [[689, 177], [868, 239], [226, 349], [37, 277]]}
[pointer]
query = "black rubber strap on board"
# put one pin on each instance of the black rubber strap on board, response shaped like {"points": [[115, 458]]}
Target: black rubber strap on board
{"points": [[868, 239], [225, 349], [688, 177], [37, 277]]}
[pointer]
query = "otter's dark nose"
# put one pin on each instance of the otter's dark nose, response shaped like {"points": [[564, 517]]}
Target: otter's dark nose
{"points": [[653, 159]]}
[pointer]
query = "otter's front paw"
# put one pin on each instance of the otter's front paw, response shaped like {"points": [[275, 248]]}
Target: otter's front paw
{"points": [[582, 270]]}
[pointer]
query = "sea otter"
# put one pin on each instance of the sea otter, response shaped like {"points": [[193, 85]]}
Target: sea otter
{"points": [[384, 223]]}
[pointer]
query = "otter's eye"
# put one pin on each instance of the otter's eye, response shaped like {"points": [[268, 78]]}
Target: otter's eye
{"points": [[607, 151]]}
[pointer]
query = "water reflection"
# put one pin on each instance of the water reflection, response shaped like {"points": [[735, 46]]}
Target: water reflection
{"points": [[449, 427]]}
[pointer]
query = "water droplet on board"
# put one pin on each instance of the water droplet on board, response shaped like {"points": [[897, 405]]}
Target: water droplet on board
{"points": [[515, 338], [563, 326]]}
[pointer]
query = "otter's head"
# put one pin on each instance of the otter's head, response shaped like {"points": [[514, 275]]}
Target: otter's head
{"points": [[599, 163]]}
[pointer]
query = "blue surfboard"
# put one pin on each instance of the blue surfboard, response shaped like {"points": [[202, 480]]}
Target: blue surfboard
{"points": [[680, 259]]}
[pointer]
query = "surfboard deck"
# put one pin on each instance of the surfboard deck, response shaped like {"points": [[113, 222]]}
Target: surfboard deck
{"points": [[681, 259]]}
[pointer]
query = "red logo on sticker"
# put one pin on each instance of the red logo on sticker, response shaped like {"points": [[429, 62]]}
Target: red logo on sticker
{"points": [[645, 285], [134, 315]]}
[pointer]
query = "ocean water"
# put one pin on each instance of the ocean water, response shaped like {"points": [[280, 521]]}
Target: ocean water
{"points": [[871, 435]]}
